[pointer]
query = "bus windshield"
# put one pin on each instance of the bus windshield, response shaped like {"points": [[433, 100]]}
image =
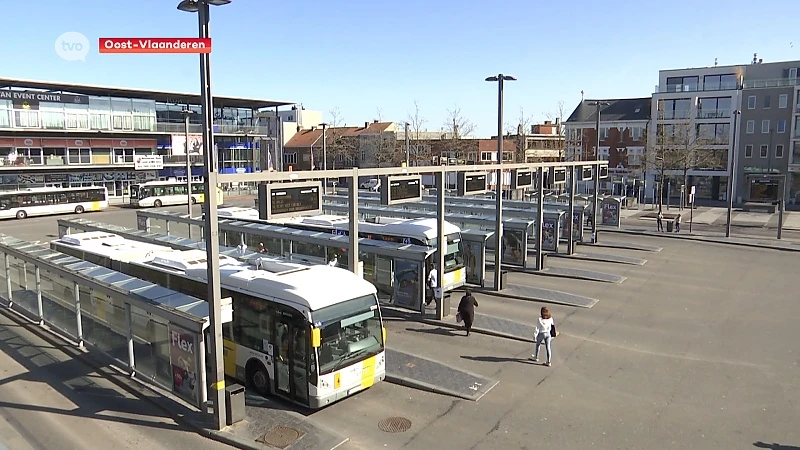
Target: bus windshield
{"points": [[350, 330], [453, 257]]}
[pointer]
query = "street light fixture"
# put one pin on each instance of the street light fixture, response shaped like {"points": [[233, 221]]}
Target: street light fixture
{"points": [[186, 114], [498, 225], [211, 225], [325, 154], [597, 104], [732, 177], [408, 148]]}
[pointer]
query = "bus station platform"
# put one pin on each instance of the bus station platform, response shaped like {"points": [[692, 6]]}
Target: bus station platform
{"points": [[624, 246], [536, 294], [428, 375], [601, 257]]}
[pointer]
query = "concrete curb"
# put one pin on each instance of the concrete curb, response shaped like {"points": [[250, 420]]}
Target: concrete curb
{"points": [[701, 238], [134, 387], [421, 385], [534, 299]]}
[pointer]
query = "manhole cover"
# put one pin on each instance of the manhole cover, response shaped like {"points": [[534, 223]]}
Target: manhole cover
{"points": [[394, 424], [280, 436]]}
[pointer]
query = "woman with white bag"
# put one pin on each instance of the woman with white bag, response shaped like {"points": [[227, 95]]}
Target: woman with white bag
{"points": [[545, 332]]}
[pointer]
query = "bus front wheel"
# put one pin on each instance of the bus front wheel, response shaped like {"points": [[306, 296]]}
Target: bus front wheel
{"points": [[21, 214], [157, 203], [258, 378], [79, 209], [194, 201]]}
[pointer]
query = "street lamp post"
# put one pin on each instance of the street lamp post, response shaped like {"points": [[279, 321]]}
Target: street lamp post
{"points": [[732, 176], [596, 202], [211, 225], [498, 226], [408, 148], [186, 113], [325, 154]]}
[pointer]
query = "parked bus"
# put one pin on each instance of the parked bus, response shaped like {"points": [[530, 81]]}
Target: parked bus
{"points": [[310, 334], [160, 193], [49, 200], [405, 231]]}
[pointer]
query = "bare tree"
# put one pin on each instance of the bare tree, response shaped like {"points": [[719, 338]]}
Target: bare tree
{"points": [[679, 146], [522, 129], [340, 147], [416, 123], [557, 117], [455, 127]]}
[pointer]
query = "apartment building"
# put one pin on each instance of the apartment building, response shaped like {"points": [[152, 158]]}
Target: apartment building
{"points": [[63, 135], [543, 142], [623, 138]]}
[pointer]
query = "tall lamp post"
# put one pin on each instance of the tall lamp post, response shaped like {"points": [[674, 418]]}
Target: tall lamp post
{"points": [[596, 202], [732, 177], [325, 154], [186, 114], [211, 225], [408, 147], [498, 225]]}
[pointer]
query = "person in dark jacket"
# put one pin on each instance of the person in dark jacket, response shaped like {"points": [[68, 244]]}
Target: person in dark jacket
{"points": [[466, 308]]}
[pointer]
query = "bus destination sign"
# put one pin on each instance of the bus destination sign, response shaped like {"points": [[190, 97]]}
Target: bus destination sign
{"points": [[279, 200], [471, 183], [521, 178], [402, 189]]}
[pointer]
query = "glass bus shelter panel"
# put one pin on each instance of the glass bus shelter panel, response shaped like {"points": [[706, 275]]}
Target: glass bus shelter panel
{"points": [[515, 246], [23, 287], [551, 231], [409, 284], [104, 325], [151, 347], [474, 249]]}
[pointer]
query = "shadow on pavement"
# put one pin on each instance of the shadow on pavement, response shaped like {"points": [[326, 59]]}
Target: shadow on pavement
{"points": [[775, 446], [497, 359], [74, 380], [440, 331]]}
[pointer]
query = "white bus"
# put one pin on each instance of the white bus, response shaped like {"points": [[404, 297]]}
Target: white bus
{"points": [[161, 193], [47, 201], [405, 231], [310, 334]]}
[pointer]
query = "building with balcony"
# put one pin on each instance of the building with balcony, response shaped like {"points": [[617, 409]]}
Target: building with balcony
{"points": [[623, 138], [692, 130], [59, 134]]}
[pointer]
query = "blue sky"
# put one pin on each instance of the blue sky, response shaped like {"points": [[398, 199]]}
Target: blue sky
{"points": [[360, 56]]}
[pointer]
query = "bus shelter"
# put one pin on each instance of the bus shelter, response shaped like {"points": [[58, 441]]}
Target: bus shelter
{"points": [[155, 333], [387, 265], [552, 224], [610, 211], [474, 246], [483, 207]]}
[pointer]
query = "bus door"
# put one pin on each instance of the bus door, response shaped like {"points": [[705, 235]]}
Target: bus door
{"points": [[291, 367]]}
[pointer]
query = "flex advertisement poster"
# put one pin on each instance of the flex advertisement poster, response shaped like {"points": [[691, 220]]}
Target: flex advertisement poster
{"points": [[183, 359]]}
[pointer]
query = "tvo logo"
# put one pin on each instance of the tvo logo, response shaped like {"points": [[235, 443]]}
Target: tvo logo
{"points": [[72, 46]]}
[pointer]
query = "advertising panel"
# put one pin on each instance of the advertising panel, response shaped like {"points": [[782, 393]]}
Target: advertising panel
{"points": [[550, 234], [513, 246], [407, 284], [610, 212], [473, 262], [179, 144], [183, 359]]}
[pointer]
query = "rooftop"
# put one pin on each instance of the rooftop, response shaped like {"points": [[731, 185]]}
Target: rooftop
{"points": [[159, 96], [307, 138], [622, 109]]}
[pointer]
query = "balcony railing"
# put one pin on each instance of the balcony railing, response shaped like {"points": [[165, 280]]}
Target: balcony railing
{"points": [[771, 82], [700, 87], [713, 113]]}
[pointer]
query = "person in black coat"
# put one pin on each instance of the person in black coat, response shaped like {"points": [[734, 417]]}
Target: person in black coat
{"points": [[466, 307]]}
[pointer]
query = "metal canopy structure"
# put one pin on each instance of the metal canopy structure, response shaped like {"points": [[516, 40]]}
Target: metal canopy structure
{"points": [[383, 248]]}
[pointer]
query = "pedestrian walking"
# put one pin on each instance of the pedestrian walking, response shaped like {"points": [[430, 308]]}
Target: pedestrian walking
{"points": [[431, 283], [545, 332], [466, 310], [678, 223], [660, 220]]}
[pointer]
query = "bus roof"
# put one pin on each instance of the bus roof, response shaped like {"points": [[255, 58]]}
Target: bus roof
{"points": [[302, 286], [163, 182], [49, 189], [418, 228]]}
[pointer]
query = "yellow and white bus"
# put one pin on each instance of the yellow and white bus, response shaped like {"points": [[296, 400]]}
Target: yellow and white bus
{"points": [[310, 334], [161, 193], [48, 201]]}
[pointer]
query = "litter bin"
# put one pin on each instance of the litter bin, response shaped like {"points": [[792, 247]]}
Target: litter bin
{"points": [[503, 279], [446, 303], [669, 226], [234, 403]]}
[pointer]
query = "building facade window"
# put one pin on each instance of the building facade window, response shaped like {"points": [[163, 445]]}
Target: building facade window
{"points": [[765, 126], [783, 101], [682, 84], [748, 151], [751, 127], [675, 109], [767, 101], [779, 151], [781, 126], [79, 156], [751, 102], [714, 108], [714, 133], [719, 82], [764, 150], [123, 155], [487, 156], [290, 158]]}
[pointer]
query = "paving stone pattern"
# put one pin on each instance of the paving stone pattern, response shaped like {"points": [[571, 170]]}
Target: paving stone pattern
{"points": [[602, 257], [624, 245], [581, 274]]}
